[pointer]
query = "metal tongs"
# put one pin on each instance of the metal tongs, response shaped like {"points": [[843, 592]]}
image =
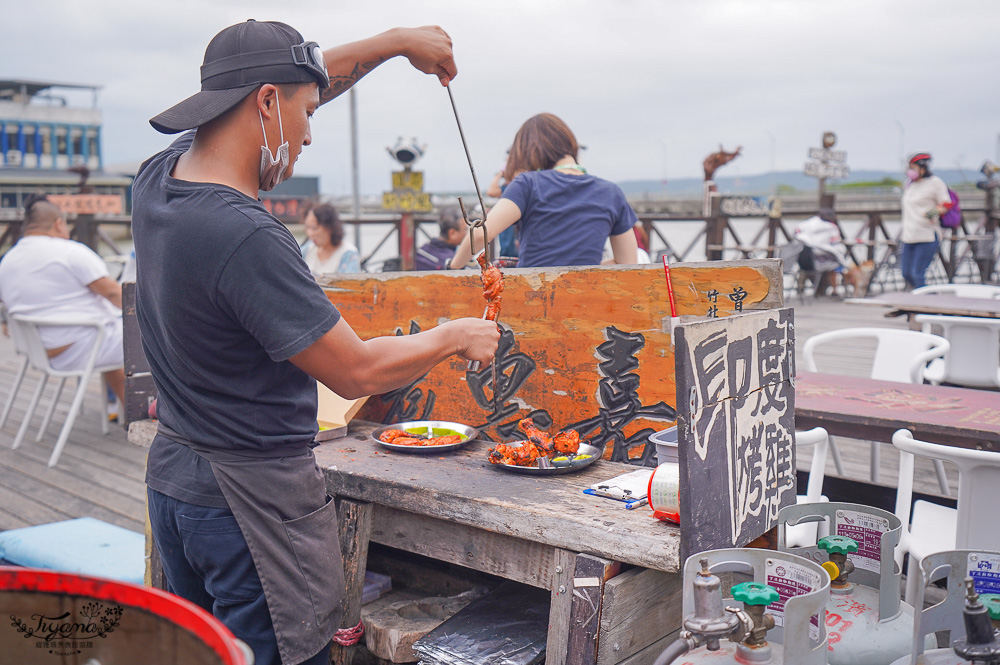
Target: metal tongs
{"points": [[473, 365]]}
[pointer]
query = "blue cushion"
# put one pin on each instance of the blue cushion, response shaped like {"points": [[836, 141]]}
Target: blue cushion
{"points": [[85, 546]]}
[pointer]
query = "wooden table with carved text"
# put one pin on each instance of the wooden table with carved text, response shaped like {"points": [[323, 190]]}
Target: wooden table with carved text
{"points": [[538, 530], [871, 409], [588, 348]]}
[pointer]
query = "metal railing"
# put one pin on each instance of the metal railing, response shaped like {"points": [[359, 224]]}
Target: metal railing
{"points": [[967, 253]]}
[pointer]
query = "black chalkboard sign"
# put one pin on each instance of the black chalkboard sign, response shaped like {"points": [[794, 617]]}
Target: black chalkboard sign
{"points": [[736, 427]]}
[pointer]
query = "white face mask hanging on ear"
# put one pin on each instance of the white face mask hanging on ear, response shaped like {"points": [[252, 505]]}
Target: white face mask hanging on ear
{"points": [[272, 168]]}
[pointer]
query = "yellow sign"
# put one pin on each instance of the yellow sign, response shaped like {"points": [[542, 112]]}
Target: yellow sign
{"points": [[407, 193], [408, 180], [407, 201]]}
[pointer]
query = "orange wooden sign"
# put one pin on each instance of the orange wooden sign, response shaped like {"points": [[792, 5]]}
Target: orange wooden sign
{"points": [[588, 348], [88, 204]]}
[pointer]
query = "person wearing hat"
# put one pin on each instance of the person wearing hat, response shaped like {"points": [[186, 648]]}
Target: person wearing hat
{"points": [[236, 329], [925, 199]]}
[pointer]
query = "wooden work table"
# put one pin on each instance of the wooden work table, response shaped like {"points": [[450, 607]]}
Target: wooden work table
{"points": [[461, 487], [538, 530]]}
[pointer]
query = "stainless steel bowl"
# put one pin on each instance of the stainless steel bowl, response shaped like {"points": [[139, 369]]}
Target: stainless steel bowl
{"points": [[585, 449], [470, 432]]}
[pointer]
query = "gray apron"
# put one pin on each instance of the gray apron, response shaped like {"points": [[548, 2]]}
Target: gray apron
{"points": [[290, 524]]}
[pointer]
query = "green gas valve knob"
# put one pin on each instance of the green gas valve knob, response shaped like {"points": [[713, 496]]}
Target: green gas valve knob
{"points": [[992, 603], [755, 593], [838, 544]]}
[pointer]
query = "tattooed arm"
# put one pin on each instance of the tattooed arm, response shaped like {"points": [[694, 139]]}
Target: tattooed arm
{"points": [[428, 49]]}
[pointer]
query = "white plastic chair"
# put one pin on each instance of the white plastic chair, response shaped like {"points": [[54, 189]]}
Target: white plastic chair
{"points": [[40, 360], [960, 290], [930, 528], [804, 535], [901, 356], [21, 348], [974, 358]]}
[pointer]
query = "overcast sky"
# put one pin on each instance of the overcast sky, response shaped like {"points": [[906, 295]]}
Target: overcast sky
{"points": [[649, 86]]}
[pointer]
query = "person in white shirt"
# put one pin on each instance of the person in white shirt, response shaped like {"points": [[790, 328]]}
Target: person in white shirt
{"points": [[50, 276], [821, 237], [329, 252], [822, 249], [925, 199]]}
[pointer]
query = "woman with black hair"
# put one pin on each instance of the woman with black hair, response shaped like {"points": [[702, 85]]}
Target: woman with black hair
{"points": [[329, 251], [566, 214], [925, 199]]}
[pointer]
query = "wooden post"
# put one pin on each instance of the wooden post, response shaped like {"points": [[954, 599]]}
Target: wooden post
{"points": [[715, 231], [773, 224], [589, 578], [985, 259], [407, 241], [85, 231], [951, 263], [355, 523], [560, 607], [12, 233], [874, 223]]}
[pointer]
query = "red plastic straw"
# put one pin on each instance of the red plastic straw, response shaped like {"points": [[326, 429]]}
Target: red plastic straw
{"points": [[670, 286]]}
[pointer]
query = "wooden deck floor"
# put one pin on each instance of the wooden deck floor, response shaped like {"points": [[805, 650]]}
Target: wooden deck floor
{"points": [[102, 476]]}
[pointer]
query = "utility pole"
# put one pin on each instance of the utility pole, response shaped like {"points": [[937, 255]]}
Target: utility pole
{"points": [[355, 195]]}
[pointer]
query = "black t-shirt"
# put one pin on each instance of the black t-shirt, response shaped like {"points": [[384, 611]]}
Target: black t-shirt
{"points": [[223, 300]]}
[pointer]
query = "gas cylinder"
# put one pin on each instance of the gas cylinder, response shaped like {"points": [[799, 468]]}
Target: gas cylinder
{"points": [[868, 622], [972, 620], [774, 619]]}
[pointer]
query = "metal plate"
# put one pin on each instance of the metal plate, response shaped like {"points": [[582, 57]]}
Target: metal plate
{"points": [[465, 430], [585, 449]]}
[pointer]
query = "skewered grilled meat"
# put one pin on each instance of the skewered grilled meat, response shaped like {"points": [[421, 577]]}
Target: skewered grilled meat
{"points": [[492, 287]]}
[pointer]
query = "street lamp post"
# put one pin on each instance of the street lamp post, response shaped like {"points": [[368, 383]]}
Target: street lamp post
{"points": [[355, 189]]}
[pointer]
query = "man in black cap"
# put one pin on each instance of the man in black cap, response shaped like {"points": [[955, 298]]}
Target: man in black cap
{"points": [[235, 330]]}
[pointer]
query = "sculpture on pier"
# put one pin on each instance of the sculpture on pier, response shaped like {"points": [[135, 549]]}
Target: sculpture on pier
{"points": [[718, 159]]}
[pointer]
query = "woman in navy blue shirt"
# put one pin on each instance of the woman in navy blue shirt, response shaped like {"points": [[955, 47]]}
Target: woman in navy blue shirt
{"points": [[566, 215]]}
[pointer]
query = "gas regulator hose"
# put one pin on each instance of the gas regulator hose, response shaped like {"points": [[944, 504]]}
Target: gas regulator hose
{"points": [[677, 648]]}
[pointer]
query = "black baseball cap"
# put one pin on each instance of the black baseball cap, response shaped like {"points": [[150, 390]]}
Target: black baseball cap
{"points": [[240, 59]]}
